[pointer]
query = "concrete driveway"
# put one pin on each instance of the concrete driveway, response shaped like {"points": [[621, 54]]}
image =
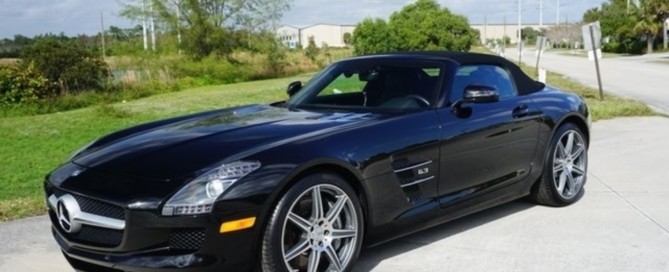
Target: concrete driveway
{"points": [[621, 224], [642, 78]]}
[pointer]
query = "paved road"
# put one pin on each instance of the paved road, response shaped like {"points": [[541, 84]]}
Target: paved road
{"points": [[622, 223], [641, 78]]}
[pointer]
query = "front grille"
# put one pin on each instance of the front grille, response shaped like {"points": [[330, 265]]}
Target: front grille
{"points": [[90, 235], [100, 208], [187, 239], [97, 207]]}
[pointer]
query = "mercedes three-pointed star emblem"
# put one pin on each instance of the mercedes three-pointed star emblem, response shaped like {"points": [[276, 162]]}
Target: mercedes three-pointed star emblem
{"points": [[67, 211]]}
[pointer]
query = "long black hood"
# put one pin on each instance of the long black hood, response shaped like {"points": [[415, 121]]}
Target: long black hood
{"points": [[181, 148]]}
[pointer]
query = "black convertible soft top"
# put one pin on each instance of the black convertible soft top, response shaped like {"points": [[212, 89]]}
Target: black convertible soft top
{"points": [[524, 83]]}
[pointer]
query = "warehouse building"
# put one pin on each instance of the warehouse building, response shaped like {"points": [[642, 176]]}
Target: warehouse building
{"points": [[333, 35]]}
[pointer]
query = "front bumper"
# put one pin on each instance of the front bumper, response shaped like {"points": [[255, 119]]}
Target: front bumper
{"points": [[151, 242]]}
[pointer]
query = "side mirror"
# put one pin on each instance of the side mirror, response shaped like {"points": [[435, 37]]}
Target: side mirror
{"points": [[477, 94], [293, 88], [474, 94]]}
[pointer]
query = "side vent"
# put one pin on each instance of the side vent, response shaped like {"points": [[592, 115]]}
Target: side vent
{"points": [[411, 175]]}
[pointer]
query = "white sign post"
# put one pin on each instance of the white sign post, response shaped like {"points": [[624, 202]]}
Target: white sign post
{"points": [[542, 75], [541, 43], [592, 39]]}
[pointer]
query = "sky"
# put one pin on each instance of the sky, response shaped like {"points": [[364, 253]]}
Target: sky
{"points": [[72, 17]]}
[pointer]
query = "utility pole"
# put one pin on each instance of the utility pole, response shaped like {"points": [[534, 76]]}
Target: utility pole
{"points": [[485, 28], [146, 42], [153, 29], [541, 13], [520, 32], [179, 25], [557, 22], [504, 36], [102, 34]]}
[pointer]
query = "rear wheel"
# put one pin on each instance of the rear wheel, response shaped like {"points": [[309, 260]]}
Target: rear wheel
{"points": [[317, 226], [565, 169]]}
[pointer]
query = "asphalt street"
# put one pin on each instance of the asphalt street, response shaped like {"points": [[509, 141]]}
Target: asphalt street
{"points": [[644, 78], [621, 224]]}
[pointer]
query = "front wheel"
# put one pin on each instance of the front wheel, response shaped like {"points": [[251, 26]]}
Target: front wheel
{"points": [[316, 226], [565, 168]]}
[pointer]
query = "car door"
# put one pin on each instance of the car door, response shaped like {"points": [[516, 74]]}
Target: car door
{"points": [[485, 146]]}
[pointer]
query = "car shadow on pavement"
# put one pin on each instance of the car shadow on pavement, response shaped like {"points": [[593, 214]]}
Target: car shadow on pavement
{"points": [[371, 257]]}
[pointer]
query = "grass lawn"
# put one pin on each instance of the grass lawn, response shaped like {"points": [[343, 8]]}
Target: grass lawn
{"points": [[32, 146], [610, 107]]}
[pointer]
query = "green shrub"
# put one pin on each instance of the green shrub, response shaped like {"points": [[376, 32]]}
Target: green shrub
{"points": [[19, 85], [211, 70], [71, 66]]}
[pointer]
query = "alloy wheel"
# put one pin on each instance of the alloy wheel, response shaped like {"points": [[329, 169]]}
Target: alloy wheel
{"points": [[569, 164], [320, 231]]}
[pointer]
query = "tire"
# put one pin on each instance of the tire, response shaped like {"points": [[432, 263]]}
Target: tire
{"points": [[565, 168], [328, 239]]}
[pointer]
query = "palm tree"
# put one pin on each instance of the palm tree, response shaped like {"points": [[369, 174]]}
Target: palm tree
{"points": [[659, 9], [648, 28]]}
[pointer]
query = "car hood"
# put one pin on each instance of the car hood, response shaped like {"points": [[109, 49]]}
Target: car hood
{"points": [[183, 148]]}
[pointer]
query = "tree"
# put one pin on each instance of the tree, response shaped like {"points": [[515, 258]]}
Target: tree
{"points": [[207, 24], [629, 27], [647, 28], [658, 8], [372, 36], [530, 35], [348, 38], [424, 25], [654, 13], [312, 50], [564, 35], [71, 66]]}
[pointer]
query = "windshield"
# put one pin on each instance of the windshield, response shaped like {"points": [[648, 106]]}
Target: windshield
{"points": [[372, 85]]}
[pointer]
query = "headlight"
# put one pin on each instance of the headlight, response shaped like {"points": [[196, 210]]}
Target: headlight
{"points": [[199, 195]]}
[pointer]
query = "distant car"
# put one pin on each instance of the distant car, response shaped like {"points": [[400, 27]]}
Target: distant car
{"points": [[370, 149]]}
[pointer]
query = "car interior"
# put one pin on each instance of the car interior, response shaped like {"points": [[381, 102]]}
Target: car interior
{"points": [[384, 87]]}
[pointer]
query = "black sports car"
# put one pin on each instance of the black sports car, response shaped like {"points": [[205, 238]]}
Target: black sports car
{"points": [[372, 148]]}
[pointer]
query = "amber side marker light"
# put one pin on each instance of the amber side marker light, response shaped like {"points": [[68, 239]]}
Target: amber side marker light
{"points": [[238, 225]]}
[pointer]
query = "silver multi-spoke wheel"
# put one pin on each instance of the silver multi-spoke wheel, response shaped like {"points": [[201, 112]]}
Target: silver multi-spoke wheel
{"points": [[565, 168], [320, 231], [569, 164]]}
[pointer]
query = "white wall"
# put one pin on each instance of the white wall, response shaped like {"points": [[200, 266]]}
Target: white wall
{"points": [[498, 31], [333, 35], [289, 36]]}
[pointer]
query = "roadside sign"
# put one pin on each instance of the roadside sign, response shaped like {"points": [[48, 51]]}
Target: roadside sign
{"points": [[588, 42], [592, 40], [541, 45]]}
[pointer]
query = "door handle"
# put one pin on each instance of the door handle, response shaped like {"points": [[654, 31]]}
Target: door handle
{"points": [[520, 111]]}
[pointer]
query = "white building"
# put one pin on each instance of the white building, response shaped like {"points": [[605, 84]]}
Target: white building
{"points": [[498, 31], [332, 35]]}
